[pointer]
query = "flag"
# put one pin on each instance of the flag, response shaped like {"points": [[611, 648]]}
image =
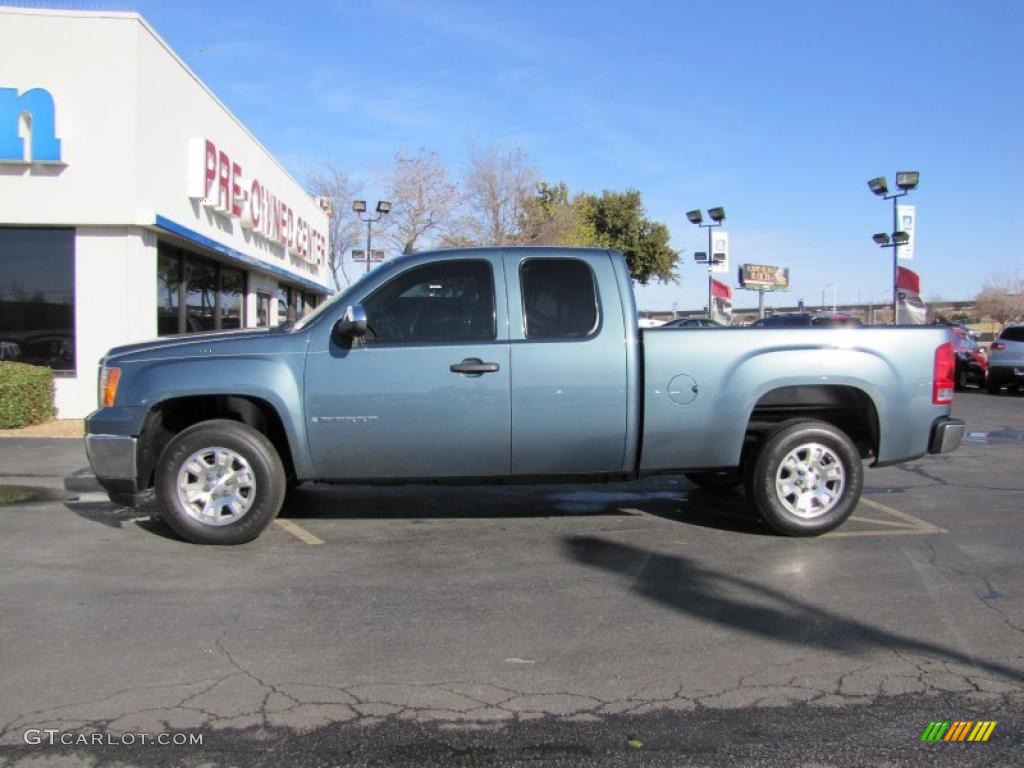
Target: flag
{"points": [[911, 310], [721, 302], [906, 221]]}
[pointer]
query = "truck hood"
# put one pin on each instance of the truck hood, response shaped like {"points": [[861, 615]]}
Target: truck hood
{"points": [[179, 346]]}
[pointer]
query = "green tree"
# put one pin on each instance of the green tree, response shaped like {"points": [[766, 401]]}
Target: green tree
{"points": [[609, 220], [617, 220]]}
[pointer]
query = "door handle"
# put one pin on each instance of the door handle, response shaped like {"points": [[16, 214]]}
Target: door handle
{"points": [[473, 366]]}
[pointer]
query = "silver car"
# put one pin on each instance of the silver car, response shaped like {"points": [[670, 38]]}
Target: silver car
{"points": [[1006, 360]]}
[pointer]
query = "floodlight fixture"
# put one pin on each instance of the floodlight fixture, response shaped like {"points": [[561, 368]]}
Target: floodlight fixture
{"points": [[907, 180], [695, 217], [716, 214], [700, 257], [901, 237], [879, 186], [359, 206], [881, 238], [383, 207]]}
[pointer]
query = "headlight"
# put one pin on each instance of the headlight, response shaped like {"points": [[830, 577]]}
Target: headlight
{"points": [[109, 379]]}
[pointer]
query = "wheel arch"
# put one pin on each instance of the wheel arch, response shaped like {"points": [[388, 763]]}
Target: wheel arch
{"points": [[170, 416]]}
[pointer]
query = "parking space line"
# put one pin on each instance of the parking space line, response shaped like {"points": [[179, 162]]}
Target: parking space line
{"points": [[299, 532], [909, 525], [915, 521]]}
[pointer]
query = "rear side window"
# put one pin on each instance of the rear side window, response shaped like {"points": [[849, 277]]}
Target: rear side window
{"points": [[559, 298], [442, 301], [1012, 334]]}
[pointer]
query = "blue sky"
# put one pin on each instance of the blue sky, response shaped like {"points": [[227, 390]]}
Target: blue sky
{"points": [[779, 111]]}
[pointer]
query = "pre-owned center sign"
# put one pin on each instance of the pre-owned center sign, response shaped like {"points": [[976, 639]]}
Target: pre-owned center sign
{"points": [[218, 182]]}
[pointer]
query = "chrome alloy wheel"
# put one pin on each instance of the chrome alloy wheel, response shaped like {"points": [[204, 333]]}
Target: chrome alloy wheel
{"points": [[216, 486], [810, 480]]}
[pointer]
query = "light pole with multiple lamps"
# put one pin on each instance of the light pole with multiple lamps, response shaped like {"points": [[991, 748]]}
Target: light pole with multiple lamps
{"points": [[717, 216], [906, 181], [359, 207]]}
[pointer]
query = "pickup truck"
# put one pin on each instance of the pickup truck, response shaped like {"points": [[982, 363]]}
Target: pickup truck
{"points": [[511, 365]]}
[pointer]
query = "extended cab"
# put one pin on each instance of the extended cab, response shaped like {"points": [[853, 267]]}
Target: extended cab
{"points": [[512, 364]]}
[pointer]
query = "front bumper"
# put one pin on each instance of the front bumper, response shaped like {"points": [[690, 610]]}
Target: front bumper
{"points": [[112, 458], [946, 435]]}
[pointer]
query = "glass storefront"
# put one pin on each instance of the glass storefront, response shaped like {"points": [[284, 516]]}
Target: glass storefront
{"points": [[293, 304], [195, 294], [37, 296]]}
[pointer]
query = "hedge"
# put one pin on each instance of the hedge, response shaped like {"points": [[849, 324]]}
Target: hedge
{"points": [[26, 395]]}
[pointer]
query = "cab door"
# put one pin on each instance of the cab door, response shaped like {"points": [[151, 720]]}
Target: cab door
{"points": [[570, 380], [426, 392]]}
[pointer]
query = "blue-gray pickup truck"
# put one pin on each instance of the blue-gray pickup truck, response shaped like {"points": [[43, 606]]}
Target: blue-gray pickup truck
{"points": [[512, 365]]}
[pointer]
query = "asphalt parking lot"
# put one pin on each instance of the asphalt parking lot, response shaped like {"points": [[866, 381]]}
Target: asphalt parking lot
{"points": [[647, 623]]}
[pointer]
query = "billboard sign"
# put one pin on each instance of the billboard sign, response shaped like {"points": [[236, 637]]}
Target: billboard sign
{"points": [[760, 277]]}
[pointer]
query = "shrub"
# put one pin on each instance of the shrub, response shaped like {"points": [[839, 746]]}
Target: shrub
{"points": [[26, 395]]}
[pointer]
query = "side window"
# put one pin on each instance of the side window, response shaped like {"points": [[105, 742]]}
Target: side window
{"points": [[559, 298], [445, 301]]}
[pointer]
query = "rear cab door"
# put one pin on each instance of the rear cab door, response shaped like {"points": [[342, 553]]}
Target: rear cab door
{"points": [[570, 360]]}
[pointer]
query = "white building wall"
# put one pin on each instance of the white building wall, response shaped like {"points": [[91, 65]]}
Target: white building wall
{"points": [[126, 110], [115, 303]]}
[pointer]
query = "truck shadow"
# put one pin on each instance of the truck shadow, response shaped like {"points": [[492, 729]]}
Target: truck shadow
{"points": [[733, 602], [689, 505]]}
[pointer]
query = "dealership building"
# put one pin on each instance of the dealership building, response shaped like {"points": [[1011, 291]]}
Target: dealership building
{"points": [[133, 204]]}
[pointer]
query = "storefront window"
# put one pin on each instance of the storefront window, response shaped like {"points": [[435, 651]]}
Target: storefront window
{"points": [[213, 297], [232, 293], [262, 310], [201, 295], [37, 296], [284, 304], [168, 292]]}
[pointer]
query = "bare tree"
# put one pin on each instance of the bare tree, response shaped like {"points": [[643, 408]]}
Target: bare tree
{"points": [[1002, 298], [424, 200], [498, 185], [331, 181]]}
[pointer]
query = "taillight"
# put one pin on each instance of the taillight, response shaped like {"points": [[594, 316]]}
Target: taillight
{"points": [[942, 374], [998, 345]]}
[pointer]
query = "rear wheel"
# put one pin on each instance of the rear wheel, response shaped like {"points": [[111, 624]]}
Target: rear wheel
{"points": [[806, 478], [961, 378], [992, 385], [219, 482]]}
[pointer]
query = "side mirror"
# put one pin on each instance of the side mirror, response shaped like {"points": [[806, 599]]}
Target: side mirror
{"points": [[352, 325]]}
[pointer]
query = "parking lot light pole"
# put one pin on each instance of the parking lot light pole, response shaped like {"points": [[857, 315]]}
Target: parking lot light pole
{"points": [[717, 216], [906, 181], [359, 207]]}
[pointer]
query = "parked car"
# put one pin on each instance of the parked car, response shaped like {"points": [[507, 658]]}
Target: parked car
{"points": [[692, 322], [511, 364], [1006, 360], [971, 361], [808, 320]]}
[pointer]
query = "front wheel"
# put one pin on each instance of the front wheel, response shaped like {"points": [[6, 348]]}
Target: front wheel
{"points": [[806, 478], [219, 482], [992, 386]]}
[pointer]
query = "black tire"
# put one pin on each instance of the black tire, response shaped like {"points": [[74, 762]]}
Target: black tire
{"points": [[268, 481], [960, 383], [775, 446], [992, 385], [716, 482]]}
